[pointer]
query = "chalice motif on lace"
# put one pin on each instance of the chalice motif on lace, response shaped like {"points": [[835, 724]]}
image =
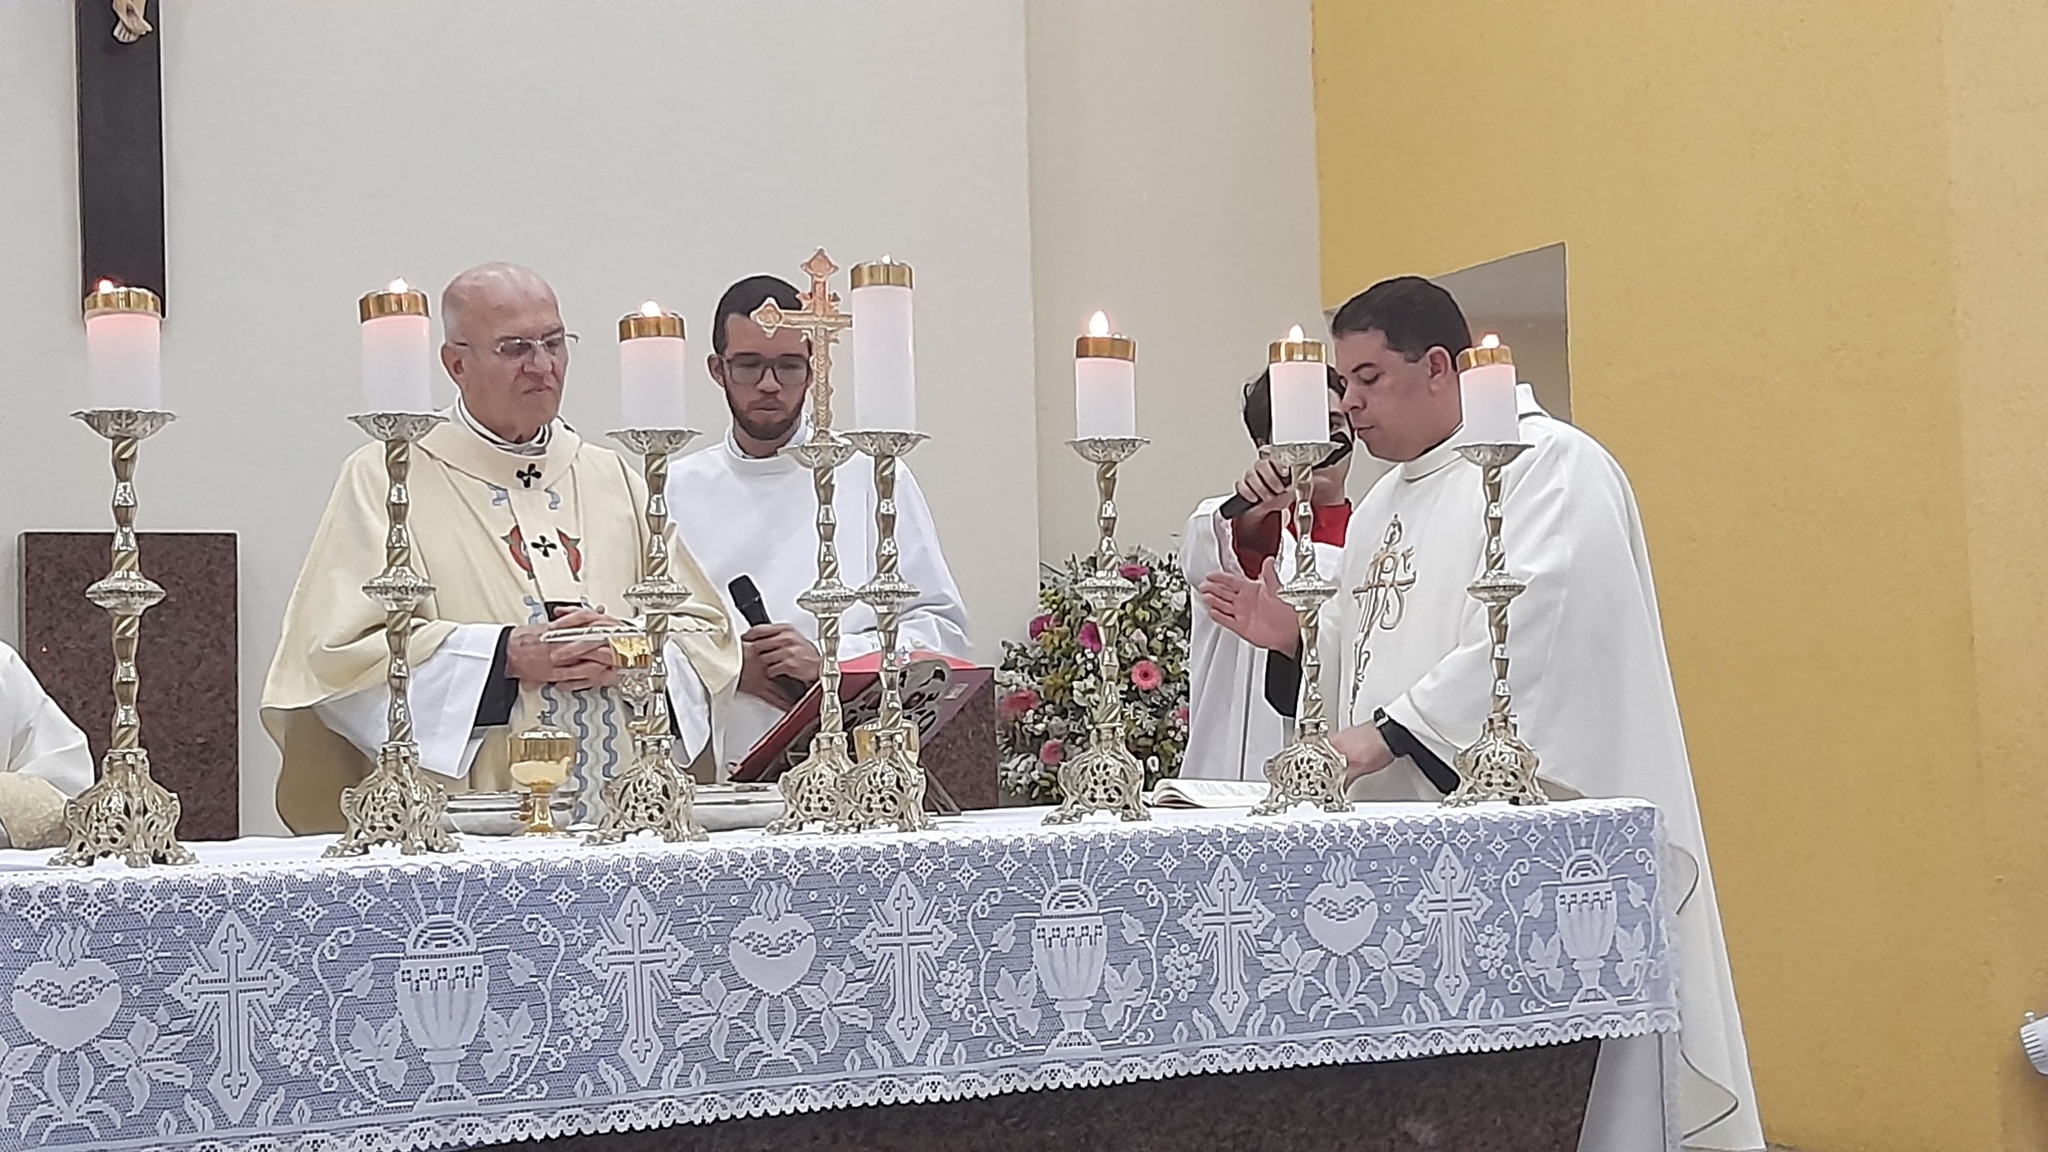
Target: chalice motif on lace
{"points": [[443, 985]]}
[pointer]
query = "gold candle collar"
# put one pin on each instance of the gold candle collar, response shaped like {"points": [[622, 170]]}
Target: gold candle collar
{"points": [[112, 297], [650, 320], [1488, 351], [1105, 347], [885, 272], [398, 299], [1295, 349]]}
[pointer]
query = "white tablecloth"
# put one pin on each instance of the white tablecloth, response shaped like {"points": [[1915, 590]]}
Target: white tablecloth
{"points": [[267, 998]]}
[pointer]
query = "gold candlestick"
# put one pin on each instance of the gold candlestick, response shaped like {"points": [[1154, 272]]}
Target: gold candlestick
{"points": [[1104, 777], [396, 803], [1308, 770], [124, 813], [1497, 766], [653, 794], [887, 785], [813, 791]]}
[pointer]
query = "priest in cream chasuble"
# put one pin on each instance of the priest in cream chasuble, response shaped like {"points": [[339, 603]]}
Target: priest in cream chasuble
{"points": [[1592, 686], [522, 527]]}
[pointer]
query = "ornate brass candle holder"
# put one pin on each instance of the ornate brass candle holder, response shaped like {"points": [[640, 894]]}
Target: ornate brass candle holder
{"points": [[1104, 777], [397, 803], [814, 792], [1498, 766], [654, 794], [541, 759], [1308, 770], [124, 813], [886, 787]]}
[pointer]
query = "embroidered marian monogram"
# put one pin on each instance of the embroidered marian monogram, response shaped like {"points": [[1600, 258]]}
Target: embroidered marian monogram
{"points": [[1382, 600]]}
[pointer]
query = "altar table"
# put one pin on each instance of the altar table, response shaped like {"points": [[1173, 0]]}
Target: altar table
{"points": [[266, 998]]}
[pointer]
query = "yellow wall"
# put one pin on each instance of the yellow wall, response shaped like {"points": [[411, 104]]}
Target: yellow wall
{"points": [[1809, 314]]}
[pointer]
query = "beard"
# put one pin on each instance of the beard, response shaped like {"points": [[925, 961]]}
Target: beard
{"points": [[768, 430]]}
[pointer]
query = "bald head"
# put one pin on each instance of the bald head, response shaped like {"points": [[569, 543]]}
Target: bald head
{"points": [[505, 348], [486, 288]]}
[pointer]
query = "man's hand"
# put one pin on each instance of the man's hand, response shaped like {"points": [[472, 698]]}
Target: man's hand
{"points": [[1252, 609], [1269, 489], [1364, 750], [773, 650], [574, 665]]}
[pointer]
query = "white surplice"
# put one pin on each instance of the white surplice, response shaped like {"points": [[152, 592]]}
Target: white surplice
{"points": [[743, 516], [1232, 730], [46, 760], [1592, 685]]}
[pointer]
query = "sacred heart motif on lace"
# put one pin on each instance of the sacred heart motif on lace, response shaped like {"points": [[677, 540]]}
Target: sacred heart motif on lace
{"points": [[773, 948], [1341, 911], [67, 998]]}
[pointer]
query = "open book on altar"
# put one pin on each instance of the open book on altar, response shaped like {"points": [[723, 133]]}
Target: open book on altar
{"points": [[934, 688], [1172, 793]]}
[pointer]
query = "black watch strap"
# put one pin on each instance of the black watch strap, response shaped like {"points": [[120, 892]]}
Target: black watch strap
{"points": [[1401, 742]]}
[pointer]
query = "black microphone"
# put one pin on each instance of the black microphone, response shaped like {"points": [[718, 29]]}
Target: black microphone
{"points": [[747, 599], [1237, 505]]}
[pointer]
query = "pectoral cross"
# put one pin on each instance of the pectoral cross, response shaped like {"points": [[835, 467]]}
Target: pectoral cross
{"points": [[120, 145], [1382, 600], [821, 321]]}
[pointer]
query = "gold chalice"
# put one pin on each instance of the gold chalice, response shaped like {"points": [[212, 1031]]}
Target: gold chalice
{"points": [[541, 759]]}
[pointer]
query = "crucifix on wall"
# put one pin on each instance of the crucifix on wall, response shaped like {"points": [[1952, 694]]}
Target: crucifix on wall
{"points": [[120, 144]]}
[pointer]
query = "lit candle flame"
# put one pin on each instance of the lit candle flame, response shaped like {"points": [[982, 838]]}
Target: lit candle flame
{"points": [[1489, 341], [1098, 324], [106, 285], [650, 308], [398, 286], [1294, 335]]}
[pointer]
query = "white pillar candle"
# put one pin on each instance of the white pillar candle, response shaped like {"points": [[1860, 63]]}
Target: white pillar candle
{"points": [[123, 348], [1301, 389], [651, 364], [1486, 389], [1105, 383], [884, 364], [398, 342]]}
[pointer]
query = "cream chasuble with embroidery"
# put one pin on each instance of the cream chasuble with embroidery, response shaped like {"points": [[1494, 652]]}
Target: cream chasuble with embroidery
{"points": [[1593, 693], [499, 534]]}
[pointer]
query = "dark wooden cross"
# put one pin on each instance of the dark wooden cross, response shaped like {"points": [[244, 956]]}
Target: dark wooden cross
{"points": [[120, 144]]}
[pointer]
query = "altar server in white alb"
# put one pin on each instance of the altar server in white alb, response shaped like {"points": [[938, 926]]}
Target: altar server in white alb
{"points": [[524, 528], [1241, 698], [46, 760], [745, 509], [1593, 691]]}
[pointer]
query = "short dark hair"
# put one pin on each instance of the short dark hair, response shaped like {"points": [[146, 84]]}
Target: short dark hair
{"points": [[1413, 314], [742, 298], [1258, 403]]}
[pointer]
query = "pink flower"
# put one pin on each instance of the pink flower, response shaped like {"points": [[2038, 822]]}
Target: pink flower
{"points": [[1091, 637], [1145, 675], [1180, 716], [1134, 571], [1018, 704], [1052, 752], [1039, 624]]}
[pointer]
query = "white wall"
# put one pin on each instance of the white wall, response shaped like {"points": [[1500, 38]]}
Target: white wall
{"points": [[1173, 184], [624, 149]]}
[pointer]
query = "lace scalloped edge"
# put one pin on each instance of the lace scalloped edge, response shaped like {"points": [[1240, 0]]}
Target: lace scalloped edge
{"points": [[710, 1107]]}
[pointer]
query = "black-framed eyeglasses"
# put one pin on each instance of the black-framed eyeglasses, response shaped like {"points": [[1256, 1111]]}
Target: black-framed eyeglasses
{"points": [[520, 348], [747, 370]]}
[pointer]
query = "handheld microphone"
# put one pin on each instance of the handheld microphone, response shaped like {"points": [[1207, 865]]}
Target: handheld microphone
{"points": [[1237, 505], [747, 599]]}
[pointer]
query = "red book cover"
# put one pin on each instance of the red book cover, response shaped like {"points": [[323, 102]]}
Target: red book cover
{"points": [[933, 689]]}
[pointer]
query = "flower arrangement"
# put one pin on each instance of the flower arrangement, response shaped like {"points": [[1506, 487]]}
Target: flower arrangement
{"points": [[1047, 682]]}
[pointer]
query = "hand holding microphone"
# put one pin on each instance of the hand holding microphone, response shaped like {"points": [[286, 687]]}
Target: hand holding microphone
{"points": [[772, 654], [1264, 477]]}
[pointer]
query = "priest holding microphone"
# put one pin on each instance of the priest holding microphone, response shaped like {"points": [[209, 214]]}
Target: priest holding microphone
{"points": [[748, 512]]}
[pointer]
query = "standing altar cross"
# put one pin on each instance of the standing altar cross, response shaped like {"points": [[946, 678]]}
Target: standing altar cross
{"points": [[821, 321]]}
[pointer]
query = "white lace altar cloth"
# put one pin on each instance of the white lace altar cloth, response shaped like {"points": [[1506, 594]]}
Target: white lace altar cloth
{"points": [[271, 1000]]}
